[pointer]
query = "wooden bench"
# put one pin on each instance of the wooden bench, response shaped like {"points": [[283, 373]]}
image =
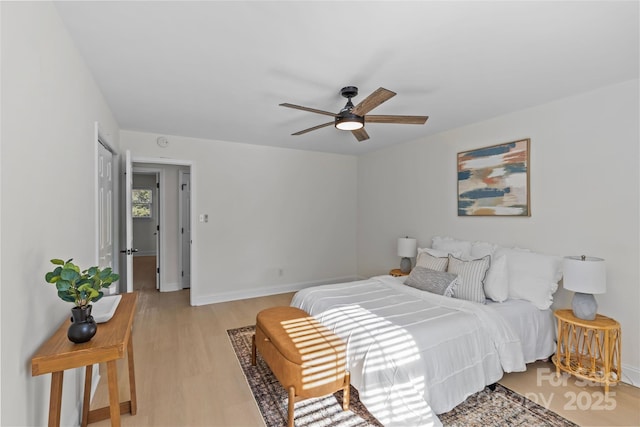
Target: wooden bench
{"points": [[305, 356]]}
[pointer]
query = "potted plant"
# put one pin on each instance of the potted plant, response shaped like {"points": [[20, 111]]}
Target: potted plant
{"points": [[81, 287]]}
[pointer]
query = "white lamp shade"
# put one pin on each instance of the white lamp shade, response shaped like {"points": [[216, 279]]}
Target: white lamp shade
{"points": [[586, 275], [407, 247]]}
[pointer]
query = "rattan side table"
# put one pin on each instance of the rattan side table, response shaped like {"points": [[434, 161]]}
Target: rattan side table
{"points": [[589, 349]]}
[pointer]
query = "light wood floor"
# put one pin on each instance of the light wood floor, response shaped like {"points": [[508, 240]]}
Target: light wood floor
{"points": [[144, 273], [187, 373]]}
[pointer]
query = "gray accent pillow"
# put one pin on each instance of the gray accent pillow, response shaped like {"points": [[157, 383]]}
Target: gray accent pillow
{"points": [[436, 282], [472, 275]]}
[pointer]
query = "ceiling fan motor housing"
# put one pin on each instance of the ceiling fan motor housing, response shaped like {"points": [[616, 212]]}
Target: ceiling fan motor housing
{"points": [[349, 91]]}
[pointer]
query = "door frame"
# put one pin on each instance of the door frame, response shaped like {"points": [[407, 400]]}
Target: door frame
{"points": [[192, 168], [160, 179]]}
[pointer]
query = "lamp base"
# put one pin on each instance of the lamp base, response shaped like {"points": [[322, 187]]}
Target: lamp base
{"points": [[405, 265], [584, 306]]}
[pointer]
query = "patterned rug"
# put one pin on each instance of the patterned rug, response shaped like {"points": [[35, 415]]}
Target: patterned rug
{"points": [[486, 408]]}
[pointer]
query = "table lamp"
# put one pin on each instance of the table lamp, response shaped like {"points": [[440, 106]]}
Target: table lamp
{"points": [[585, 276], [407, 248]]}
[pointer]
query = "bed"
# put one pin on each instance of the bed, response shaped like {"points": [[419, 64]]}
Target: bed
{"points": [[414, 354]]}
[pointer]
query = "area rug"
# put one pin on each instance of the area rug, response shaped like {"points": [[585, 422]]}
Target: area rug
{"points": [[499, 407]]}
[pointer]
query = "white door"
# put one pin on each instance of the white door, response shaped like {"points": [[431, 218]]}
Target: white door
{"points": [[156, 208], [185, 228], [105, 210], [128, 250]]}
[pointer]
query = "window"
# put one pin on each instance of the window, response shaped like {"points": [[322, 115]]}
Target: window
{"points": [[141, 201]]}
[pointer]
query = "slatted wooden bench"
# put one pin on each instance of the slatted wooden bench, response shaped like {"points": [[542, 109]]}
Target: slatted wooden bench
{"points": [[307, 358]]}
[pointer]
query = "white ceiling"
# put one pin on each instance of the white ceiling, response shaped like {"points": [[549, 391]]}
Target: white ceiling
{"points": [[218, 70]]}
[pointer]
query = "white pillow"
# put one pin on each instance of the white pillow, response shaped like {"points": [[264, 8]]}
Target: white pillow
{"points": [[523, 263], [534, 289], [480, 249], [432, 262], [532, 276], [496, 287], [437, 253], [451, 245]]}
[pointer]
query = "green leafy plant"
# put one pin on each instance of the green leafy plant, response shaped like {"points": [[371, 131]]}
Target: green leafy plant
{"points": [[79, 287]]}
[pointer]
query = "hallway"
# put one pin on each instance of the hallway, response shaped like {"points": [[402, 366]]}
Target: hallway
{"points": [[144, 273]]}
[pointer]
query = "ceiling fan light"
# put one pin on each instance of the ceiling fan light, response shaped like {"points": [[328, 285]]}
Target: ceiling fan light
{"points": [[349, 122]]}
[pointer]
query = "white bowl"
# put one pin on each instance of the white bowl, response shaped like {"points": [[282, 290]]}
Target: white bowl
{"points": [[104, 309]]}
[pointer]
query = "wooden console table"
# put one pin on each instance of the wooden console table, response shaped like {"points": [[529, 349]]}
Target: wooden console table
{"points": [[110, 343], [589, 349]]}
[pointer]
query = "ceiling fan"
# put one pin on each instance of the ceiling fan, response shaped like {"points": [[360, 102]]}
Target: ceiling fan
{"points": [[353, 118]]}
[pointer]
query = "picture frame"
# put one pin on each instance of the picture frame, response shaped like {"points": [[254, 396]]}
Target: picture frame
{"points": [[494, 180]]}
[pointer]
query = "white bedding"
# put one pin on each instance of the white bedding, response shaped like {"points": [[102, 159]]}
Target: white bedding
{"points": [[535, 328], [404, 346]]}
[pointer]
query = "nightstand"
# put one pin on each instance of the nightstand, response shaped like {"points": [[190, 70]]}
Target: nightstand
{"points": [[397, 273], [589, 349]]}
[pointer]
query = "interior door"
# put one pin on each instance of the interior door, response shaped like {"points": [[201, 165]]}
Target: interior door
{"points": [[185, 227], [158, 212], [105, 210], [128, 250]]}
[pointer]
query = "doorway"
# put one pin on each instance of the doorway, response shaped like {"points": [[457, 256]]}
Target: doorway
{"points": [[146, 227], [172, 256]]}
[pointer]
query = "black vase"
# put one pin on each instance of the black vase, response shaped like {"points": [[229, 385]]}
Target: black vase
{"points": [[82, 327]]}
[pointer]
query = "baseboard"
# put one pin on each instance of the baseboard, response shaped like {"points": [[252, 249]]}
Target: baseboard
{"points": [[631, 375], [272, 290]]}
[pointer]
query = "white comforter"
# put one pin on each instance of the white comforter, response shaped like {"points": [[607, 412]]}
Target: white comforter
{"points": [[413, 354]]}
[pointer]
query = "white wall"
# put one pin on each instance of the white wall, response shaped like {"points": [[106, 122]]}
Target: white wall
{"points": [[49, 105], [584, 195], [279, 219]]}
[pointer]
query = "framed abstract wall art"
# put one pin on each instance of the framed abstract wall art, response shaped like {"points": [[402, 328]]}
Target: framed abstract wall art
{"points": [[494, 181]]}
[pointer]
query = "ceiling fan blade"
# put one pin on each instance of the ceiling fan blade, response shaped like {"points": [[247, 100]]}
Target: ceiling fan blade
{"points": [[360, 134], [405, 120], [378, 96], [313, 128], [312, 110]]}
